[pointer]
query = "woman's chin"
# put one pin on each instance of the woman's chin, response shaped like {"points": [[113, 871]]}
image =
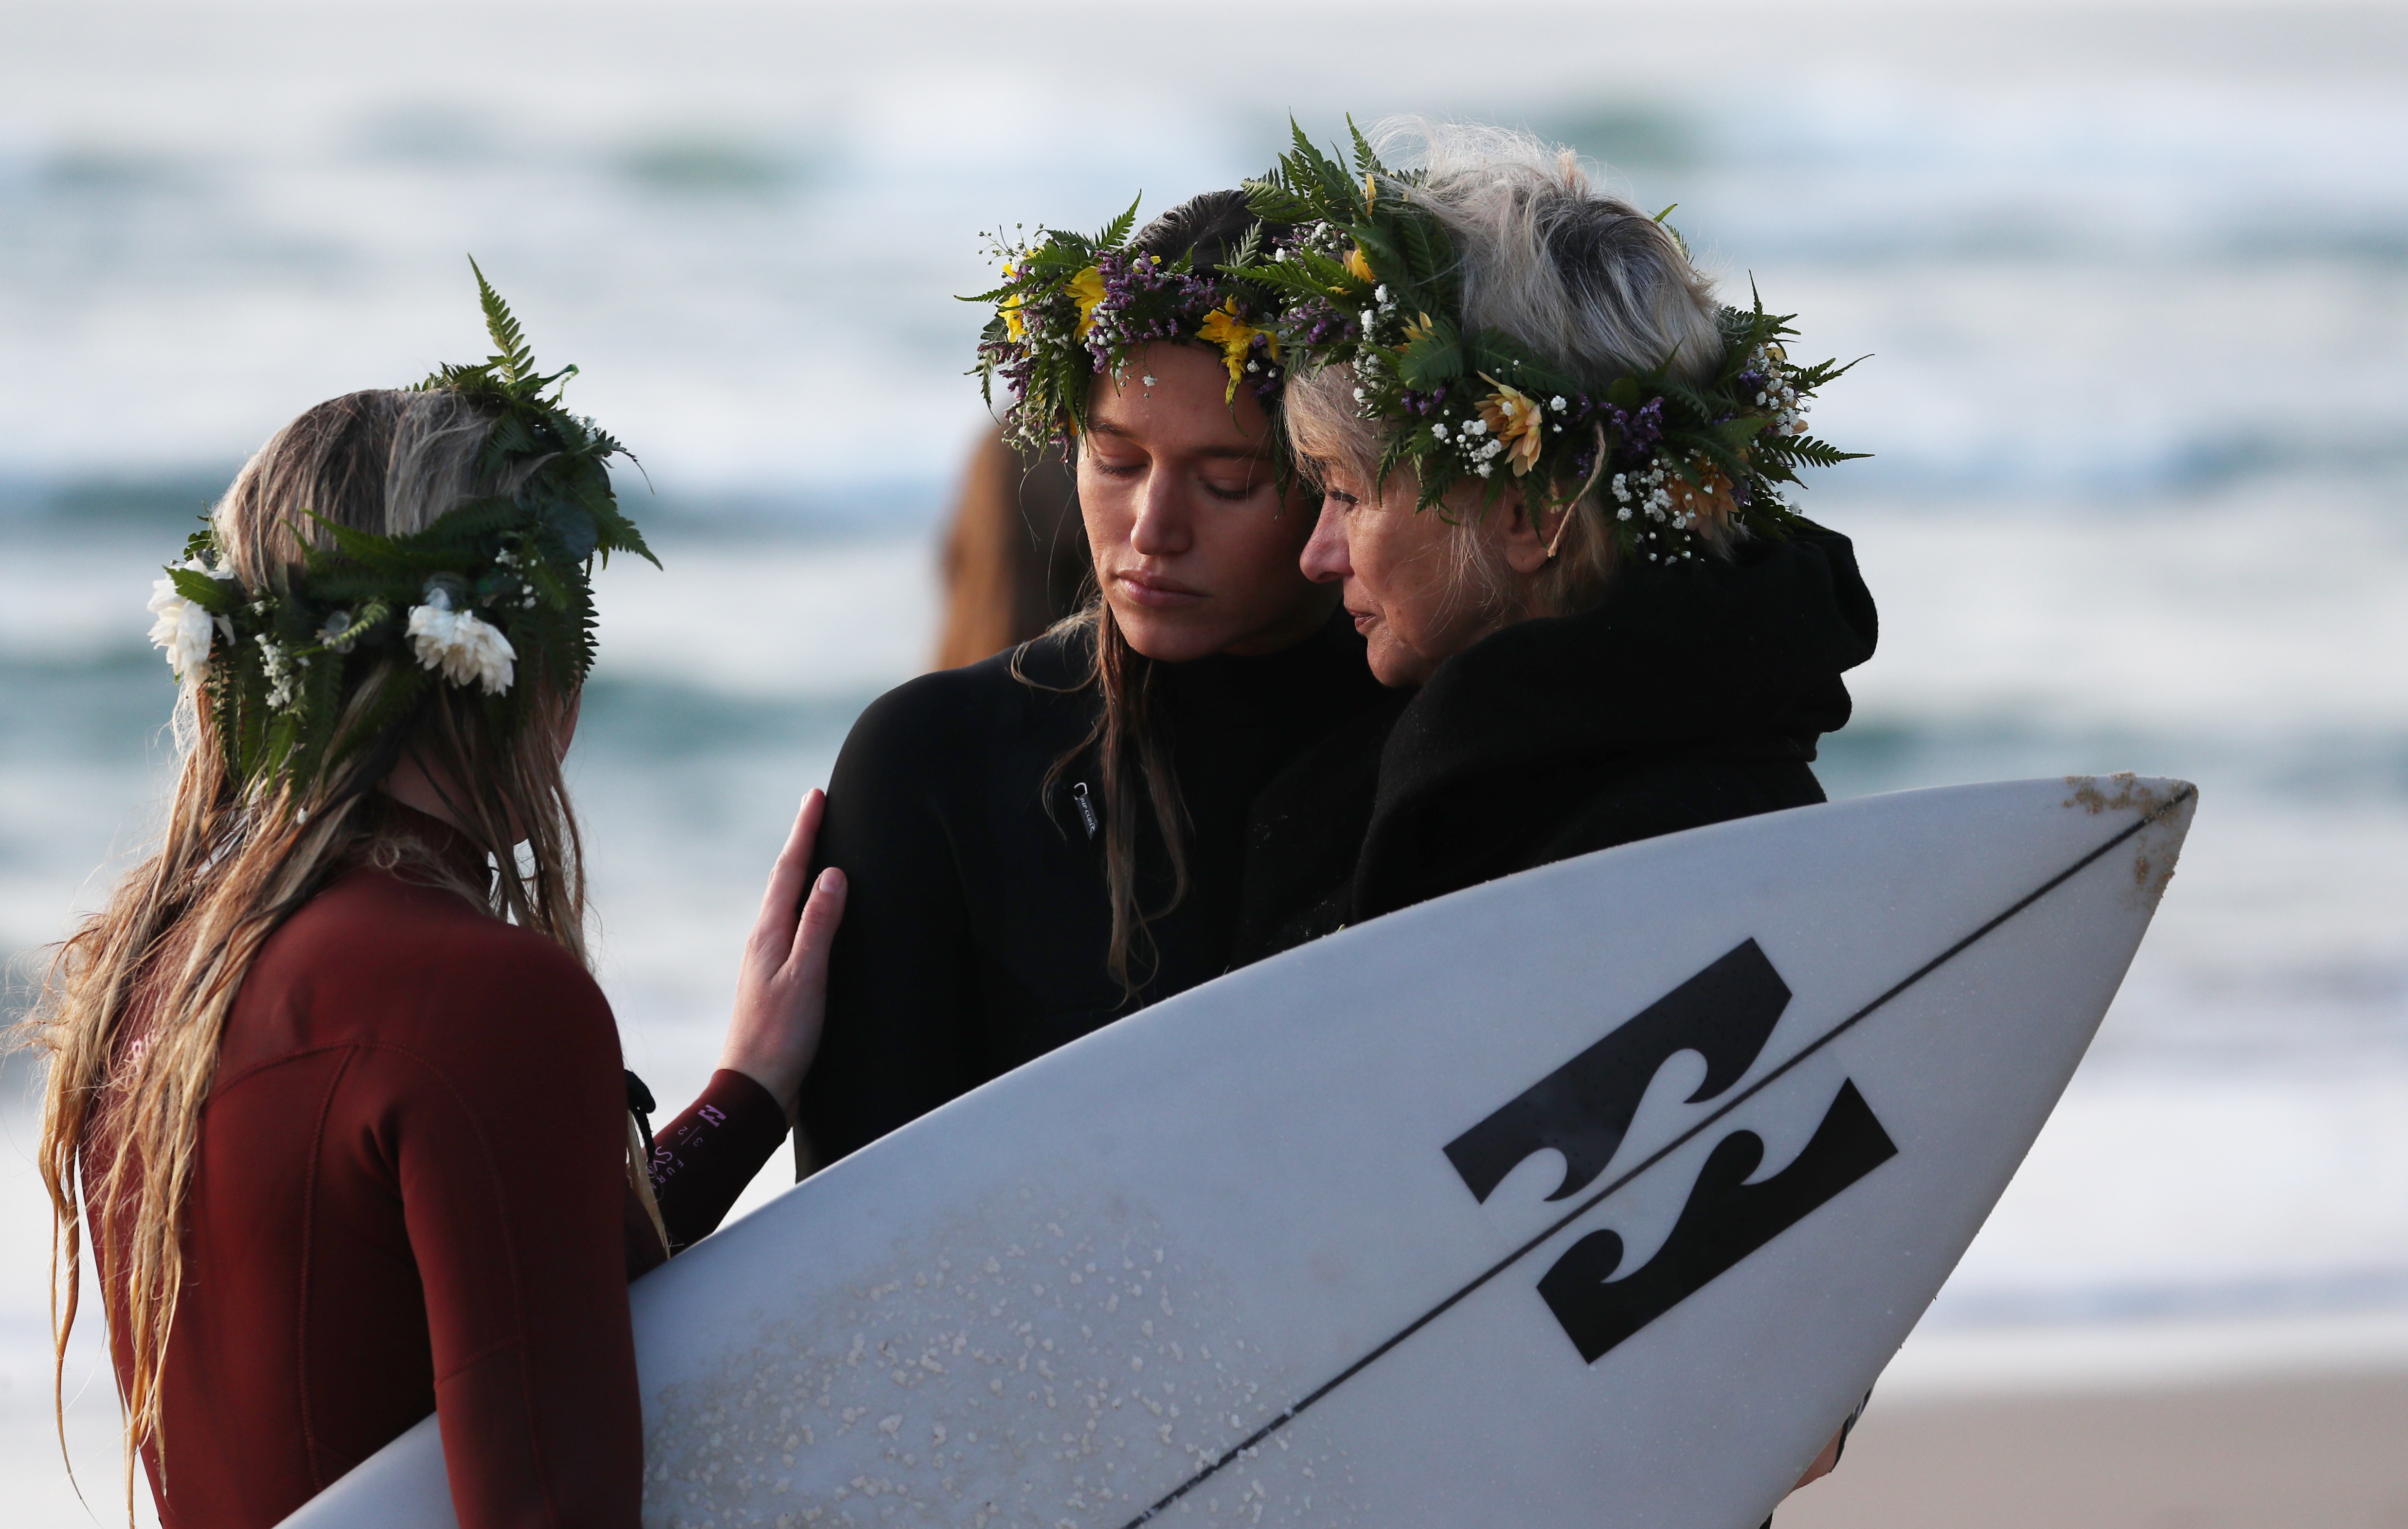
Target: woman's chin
{"points": [[1164, 637], [1393, 664]]}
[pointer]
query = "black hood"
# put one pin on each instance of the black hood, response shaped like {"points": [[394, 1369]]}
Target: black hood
{"points": [[1688, 665]]}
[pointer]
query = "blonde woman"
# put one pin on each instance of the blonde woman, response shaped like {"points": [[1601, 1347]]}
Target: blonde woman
{"points": [[330, 1083], [1580, 569], [1578, 572]]}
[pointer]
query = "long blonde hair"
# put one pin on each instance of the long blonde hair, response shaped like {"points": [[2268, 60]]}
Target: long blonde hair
{"points": [[170, 951]]}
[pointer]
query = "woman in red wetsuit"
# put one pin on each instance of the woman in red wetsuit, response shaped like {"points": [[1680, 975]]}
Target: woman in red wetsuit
{"points": [[330, 1082]]}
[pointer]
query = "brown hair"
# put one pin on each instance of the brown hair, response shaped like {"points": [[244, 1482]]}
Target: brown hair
{"points": [[1132, 749], [137, 998]]}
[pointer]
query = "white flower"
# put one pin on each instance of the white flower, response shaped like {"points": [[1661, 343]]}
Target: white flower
{"points": [[1477, 427], [278, 667], [1437, 430], [1484, 469], [183, 628], [1557, 403], [458, 643]]}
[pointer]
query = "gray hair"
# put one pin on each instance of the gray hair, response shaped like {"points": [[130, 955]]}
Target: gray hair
{"points": [[1580, 277], [1593, 285]]}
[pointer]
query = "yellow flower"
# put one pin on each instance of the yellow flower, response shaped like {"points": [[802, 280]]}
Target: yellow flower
{"points": [[1512, 419], [1088, 288], [1224, 328], [1419, 327], [1013, 324], [1359, 269]]}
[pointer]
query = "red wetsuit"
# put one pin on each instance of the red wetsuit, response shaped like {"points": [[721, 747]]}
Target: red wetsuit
{"points": [[410, 1196]]}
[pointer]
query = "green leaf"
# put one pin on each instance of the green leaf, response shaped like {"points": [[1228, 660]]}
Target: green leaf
{"points": [[511, 355], [1118, 229], [216, 596], [1272, 201], [1434, 358], [1365, 162]]}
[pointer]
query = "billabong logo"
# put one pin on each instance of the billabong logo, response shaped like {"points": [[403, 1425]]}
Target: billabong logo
{"points": [[1725, 1013]]}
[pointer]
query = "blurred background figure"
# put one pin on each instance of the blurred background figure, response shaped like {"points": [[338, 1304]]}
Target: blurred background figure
{"points": [[1015, 553], [2134, 274]]}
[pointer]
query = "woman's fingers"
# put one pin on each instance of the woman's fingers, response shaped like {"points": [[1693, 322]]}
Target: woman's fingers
{"points": [[782, 986], [773, 931], [815, 930]]}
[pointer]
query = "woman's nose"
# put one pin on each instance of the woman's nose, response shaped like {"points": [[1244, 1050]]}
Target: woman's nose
{"points": [[1325, 560], [1162, 528]]}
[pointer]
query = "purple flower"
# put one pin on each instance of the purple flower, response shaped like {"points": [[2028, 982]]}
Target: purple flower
{"points": [[1634, 430]]}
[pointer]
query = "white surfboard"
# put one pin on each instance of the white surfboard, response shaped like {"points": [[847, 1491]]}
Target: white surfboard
{"points": [[1597, 1196]]}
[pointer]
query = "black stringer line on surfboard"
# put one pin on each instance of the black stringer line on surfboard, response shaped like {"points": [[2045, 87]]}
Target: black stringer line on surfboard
{"points": [[1298, 1409]]}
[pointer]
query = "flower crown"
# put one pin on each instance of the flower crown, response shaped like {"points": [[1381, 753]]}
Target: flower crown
{"points": [[1372, 281], [1072, 306], [495, 583]]}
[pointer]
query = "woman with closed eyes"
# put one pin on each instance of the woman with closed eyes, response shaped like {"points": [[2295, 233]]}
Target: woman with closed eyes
{"points": [[1042, 842]]}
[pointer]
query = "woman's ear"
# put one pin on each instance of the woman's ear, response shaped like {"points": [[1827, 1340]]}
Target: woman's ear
{"points": [[1525, 540]]}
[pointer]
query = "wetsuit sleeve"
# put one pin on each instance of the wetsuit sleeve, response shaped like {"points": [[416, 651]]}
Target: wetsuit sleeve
{"points": [[704, 1159], [506, 1129], [902, 977]]}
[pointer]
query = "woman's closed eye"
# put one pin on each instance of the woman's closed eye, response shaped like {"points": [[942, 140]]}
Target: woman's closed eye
{"points": [[1109, 468], [1232, 489]]}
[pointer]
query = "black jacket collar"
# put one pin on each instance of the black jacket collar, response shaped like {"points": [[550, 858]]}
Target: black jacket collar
{"points": [[1711, 659]]}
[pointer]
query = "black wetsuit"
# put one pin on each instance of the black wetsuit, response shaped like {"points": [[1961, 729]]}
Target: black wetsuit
{"points": [[1692, 695], [976, 927]]}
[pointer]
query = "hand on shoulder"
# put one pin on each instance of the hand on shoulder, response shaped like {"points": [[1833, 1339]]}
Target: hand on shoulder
{"points": [[782, 983]]}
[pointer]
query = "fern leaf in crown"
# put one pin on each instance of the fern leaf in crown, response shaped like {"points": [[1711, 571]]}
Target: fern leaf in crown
{"points": [[495, 592], [1370, 281], [1072, 306]]}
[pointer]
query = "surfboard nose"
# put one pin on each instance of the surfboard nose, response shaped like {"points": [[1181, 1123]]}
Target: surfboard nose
{"points": [[2162, 807]]}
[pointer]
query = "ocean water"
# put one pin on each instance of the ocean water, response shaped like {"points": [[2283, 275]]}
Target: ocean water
{"points": [[2132, 282]]}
